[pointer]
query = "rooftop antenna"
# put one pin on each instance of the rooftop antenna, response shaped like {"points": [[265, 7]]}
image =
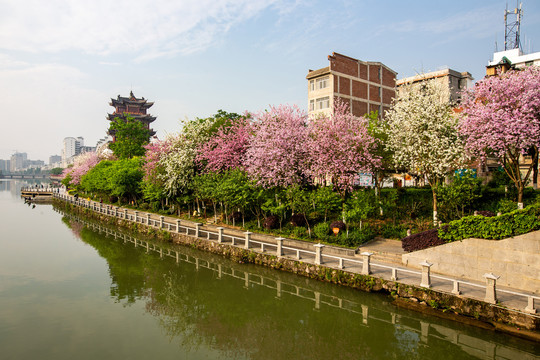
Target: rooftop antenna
{"points": [[512, 27]]}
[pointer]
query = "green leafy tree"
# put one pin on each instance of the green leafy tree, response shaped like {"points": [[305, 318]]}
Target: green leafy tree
{"points": [[277, 205], [379, 129], [456, 197], [96, 181], [360, 206], [130, 137], [125, 178], [325, 200], [56, 171]]}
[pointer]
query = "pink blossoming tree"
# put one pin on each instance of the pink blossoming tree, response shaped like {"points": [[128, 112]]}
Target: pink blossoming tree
{"points": [[226, 150], [277, 153], [501, 118], [340, 147], [82, 164]]}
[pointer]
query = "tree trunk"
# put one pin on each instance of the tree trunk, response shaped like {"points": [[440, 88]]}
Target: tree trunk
{"points": [[435, 218]]}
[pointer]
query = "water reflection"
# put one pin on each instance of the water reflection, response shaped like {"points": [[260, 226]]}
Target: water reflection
{"points": [[203, 300]]}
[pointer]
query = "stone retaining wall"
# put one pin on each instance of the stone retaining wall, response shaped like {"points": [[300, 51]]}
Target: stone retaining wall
{"points": [[516, 260], [490, 316]]}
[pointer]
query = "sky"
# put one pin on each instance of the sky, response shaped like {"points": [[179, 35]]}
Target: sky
{"points": [[61, 61]]}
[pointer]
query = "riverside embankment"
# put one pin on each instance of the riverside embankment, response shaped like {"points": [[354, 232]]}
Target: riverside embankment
{"points": [[422, 291]]}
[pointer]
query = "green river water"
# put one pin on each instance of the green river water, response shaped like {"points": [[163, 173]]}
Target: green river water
{"points": [[71, 289]]}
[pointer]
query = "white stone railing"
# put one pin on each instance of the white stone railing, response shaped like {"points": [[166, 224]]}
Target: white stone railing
{"points": [[365, 266]]}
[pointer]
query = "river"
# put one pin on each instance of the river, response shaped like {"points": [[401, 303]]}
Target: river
{"points": [[70, 288]]}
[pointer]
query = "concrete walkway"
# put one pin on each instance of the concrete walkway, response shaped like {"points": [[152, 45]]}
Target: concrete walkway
{"points": [[385, 262]]}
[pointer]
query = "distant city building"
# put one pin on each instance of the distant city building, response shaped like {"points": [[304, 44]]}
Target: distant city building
{"points": [[54, 159], [4, 166], [34, 164], [102, 146], [511, 59], [71, 147], [18, 161], [364, 85], [454, 81], [134, 107]]}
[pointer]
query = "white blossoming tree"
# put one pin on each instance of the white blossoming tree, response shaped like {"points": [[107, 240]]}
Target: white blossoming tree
{"points": [[423, 134]]}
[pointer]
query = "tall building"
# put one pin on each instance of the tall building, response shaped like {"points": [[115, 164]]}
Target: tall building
{"points": [[454, 81], [18, 161], [71, 147], [4, 166], [134, 107], [364, 85]]}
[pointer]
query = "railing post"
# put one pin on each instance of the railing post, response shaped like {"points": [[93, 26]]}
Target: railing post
{"points": [[148, 219], [366, 266], [456, 290], [279, 251], [220, 235], [125, 214], [161, 218], [491, 292], [426, 277], [394, 275], [178, 225], [318, 253], [248, 238], [197, 229], [530, 305], [136, 215]]}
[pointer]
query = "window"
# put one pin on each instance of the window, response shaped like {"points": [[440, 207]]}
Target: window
{"points": [[323, 103], [311, 85], [311, 105], [322, 82]]}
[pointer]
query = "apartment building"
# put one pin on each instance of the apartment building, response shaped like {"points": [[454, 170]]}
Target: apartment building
{"points": [[453, 80], [364, 85]]}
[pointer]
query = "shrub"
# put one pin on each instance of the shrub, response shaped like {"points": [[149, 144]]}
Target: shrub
{"points": [[510, 224], [421, 240], [271, 222], [299, 232], [235, 216], [486, 213], [393, 231], [338, 224], [321, 230], [506, 206], [355, 237], [298, 220]]}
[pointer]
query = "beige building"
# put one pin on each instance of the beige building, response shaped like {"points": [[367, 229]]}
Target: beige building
{"points": [[364, 85], [456, 81]]}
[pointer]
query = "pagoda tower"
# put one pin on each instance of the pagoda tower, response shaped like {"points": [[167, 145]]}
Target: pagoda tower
{"points": [[136, 108]]}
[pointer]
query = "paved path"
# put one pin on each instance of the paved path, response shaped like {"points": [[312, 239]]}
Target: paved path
{"points": [[385, 263]]}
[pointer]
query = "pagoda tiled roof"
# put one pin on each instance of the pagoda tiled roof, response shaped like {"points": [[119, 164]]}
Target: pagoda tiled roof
{"points": [[132, 99], [145, 118]]}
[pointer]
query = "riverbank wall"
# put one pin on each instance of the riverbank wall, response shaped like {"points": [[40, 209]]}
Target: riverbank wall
{"points": [[438, 303]]}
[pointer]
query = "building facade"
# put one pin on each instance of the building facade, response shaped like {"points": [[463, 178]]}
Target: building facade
{"points": [[4, 166], [364, 85], [18, 161], [134, 107], [511, 59], [71, 147], [454, 81], [55, 159]]}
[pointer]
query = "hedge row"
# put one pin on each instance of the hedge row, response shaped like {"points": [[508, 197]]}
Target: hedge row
{"points": [[506, 225]]}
